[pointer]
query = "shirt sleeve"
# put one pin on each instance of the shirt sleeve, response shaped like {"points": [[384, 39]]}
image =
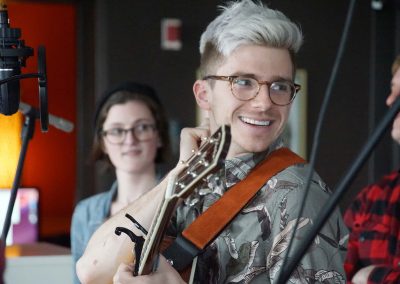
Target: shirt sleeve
{"points": [[77, 237], [77, 224], [372, 215], [323, 261], [352, 256]]}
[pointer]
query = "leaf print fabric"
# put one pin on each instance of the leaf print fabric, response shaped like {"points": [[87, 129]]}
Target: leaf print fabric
{"points": [[252, 247]]}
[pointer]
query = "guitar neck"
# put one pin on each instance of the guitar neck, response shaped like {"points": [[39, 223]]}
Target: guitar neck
{"points": [[207, 160]]}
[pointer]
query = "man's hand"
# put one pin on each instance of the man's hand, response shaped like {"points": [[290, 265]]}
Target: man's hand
{"points": [[124, 274], [165, 274], [191, 139]]}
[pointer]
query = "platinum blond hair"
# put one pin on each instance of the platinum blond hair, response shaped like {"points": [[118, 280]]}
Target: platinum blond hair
{"points": [[247, 22]]}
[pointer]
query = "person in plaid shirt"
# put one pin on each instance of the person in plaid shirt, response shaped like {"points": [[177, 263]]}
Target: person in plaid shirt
{"points": [[374, 220]]}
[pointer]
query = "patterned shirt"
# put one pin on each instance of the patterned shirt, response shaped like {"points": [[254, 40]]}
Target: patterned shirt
{"points": [[252, 247], [374, 222]]}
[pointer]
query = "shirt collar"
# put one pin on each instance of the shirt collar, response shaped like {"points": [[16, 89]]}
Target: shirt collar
{"points": [[237, 168]]}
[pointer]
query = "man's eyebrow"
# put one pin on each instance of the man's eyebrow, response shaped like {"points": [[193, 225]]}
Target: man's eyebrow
{"points": [[274, 78]]}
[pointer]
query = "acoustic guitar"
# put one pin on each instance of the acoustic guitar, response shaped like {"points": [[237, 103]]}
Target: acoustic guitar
{"points": [[208, 159]]}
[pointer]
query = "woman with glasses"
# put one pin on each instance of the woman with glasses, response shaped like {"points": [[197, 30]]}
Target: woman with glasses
{"points": [[131, 137]]}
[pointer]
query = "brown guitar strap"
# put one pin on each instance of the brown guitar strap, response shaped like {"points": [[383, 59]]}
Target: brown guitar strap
{"points": [[211, 222]]}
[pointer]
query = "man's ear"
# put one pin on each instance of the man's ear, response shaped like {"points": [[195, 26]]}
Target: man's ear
{"points": [[201, 91]]}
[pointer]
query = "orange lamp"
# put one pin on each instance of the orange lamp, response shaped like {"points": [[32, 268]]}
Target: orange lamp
{"points": [[10, 147]]}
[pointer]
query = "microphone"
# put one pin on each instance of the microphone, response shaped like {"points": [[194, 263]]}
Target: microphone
{"points": [[13, 55]]}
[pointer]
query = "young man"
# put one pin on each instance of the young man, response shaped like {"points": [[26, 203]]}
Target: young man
{"points": [[373, 218], [247, 68]]}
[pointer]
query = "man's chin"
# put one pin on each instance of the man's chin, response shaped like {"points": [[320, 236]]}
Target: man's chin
{"points": [[242, 148], [257, 147]]}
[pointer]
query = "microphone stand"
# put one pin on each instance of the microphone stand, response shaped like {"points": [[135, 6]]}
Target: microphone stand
{"points": [[27, 133], [339, 191]]}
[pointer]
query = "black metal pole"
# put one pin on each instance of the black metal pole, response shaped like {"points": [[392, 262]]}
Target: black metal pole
{"points": [[27, 134]]}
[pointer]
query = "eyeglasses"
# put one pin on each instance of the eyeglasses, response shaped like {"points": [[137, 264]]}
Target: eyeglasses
{"points": [[243, 88], [141, 132]]}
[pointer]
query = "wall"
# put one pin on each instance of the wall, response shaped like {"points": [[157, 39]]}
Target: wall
{"points": [[127, 46]]}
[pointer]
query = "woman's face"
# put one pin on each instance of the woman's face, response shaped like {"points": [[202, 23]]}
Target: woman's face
{"points": [[135, 150]]}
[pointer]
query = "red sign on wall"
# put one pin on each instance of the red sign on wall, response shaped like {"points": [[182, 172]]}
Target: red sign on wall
{"points": [[171, 34]]}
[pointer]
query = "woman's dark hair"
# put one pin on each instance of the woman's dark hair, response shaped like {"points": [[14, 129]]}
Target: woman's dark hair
{"points": [[120, 94]]}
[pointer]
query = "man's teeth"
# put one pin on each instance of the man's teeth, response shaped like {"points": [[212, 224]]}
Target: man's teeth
{"points": [[256, 122]]}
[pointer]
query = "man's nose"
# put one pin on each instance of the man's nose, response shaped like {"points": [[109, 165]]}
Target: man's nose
{"points": [[263, 100]]}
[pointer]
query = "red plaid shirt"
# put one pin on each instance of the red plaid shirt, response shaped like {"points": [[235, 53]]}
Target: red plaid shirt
{"points": [[374, 223]]}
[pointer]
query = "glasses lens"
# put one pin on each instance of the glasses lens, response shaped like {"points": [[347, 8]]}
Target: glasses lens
{"points": [[115, 135], [141, 132], [144, 131], [281, 93], [244, 88]]}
